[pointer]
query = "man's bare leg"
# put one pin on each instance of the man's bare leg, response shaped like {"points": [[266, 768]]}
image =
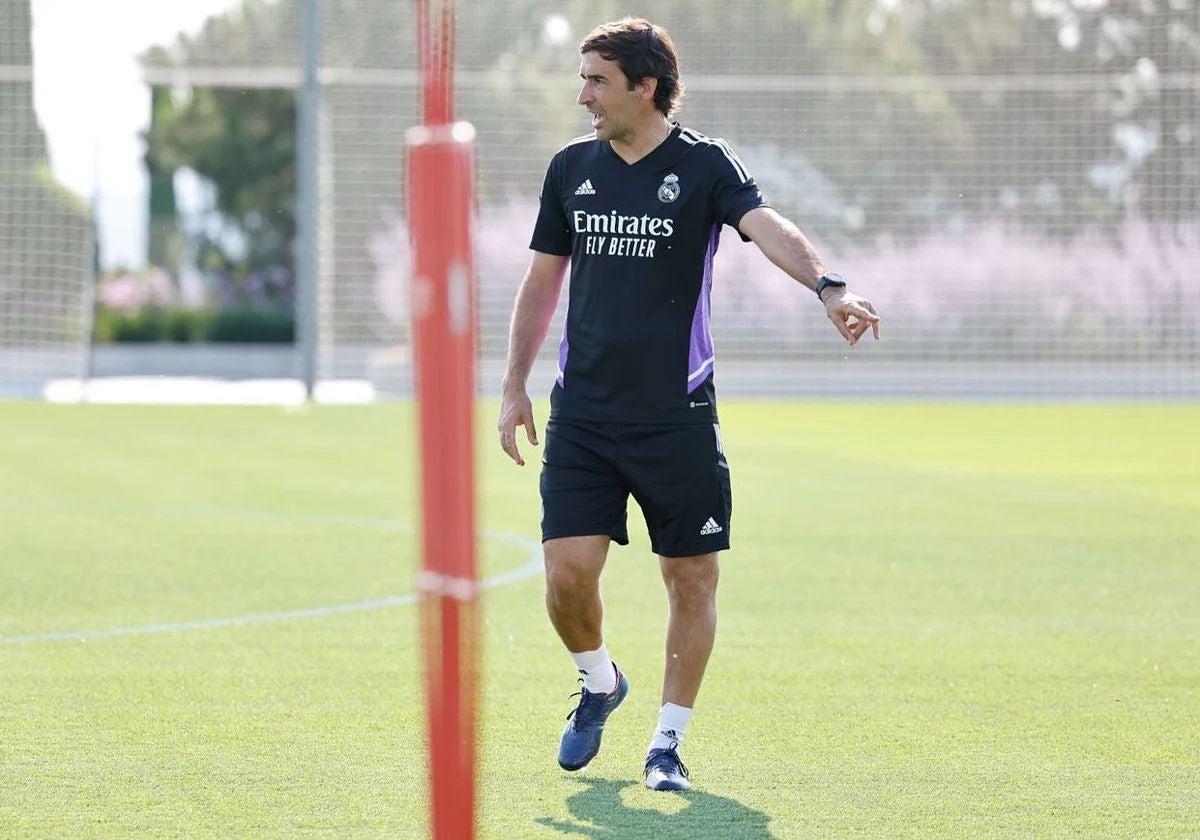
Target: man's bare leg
{"points": [[692, 592], [573, 566], [692, 627]]}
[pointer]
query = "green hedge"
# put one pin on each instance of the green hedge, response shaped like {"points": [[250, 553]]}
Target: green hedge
{"points": [[189, 326]]}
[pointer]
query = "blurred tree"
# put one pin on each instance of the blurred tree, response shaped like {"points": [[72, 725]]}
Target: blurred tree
{"points": [[244, 143], [1099, 99]]}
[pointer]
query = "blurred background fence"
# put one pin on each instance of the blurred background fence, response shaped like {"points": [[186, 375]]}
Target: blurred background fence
{"points": [[1016, 184]]}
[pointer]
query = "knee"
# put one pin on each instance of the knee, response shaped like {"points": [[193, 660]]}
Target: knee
{"points": [[695, 589], [565, 580]]}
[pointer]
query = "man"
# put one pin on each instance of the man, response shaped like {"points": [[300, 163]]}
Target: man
{"points": [[637, 208]]}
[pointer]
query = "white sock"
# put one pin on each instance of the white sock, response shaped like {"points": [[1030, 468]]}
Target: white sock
{"points": [[672, 724], [599, 675]]}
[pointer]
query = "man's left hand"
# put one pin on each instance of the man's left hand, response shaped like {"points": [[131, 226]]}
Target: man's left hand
{"points": [[851, 314]]}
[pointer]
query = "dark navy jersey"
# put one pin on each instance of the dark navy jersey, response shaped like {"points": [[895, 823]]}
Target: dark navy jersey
{"points": [[637, 343]]}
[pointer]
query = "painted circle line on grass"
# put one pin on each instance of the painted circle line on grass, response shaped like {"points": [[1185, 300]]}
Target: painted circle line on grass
{"points": [[529, 569]]}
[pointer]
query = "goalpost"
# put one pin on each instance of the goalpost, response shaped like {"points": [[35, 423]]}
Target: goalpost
{"points": [[443, 316]]}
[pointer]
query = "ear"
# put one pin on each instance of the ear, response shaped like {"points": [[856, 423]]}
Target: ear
{"points": [[646, 88]]}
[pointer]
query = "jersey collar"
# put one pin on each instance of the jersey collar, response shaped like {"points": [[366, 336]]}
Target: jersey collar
{"points": [[647, 159]]}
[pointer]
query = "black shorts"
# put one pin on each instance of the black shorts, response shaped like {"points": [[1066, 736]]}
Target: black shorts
{"points": [[678, 475]]}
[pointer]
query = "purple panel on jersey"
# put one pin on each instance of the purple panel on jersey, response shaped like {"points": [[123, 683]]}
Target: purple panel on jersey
{"points": [[700, 350], [563, 347]]}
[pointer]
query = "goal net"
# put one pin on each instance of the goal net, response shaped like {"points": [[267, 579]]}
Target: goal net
{"points": [[46, 240]]}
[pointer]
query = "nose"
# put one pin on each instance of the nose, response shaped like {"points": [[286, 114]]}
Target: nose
{"points": [[585, 94]]}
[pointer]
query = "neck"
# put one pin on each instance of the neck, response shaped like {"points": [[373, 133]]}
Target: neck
{"points": [[642, 140]]}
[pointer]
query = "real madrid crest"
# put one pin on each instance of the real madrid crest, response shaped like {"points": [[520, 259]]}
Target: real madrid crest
{"points": [[669, 190]]}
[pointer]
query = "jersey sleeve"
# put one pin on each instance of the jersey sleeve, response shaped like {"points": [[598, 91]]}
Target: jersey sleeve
{"points": [[734, 192], [551, 234]]}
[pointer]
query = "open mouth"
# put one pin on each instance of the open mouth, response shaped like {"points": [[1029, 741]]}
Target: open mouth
{"points": [[596, 120]]}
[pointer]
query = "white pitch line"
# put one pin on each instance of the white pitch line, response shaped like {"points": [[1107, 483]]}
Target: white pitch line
{"points": [[530, 569]]}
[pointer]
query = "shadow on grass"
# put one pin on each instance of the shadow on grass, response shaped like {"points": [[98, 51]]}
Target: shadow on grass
{"points": [[599, 812]]}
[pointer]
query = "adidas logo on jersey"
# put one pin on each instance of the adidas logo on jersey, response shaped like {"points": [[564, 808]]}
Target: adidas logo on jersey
{"points": [[710, 527], [586, 188]]}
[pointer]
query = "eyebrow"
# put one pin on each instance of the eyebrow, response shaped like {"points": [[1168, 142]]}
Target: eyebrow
{"points": [[596, 76]]}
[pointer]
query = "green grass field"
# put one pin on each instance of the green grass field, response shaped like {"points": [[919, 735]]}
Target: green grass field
{"points": [[937, 621]]}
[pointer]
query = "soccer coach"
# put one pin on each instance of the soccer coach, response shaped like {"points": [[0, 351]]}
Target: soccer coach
{"points": [[636, 208]]}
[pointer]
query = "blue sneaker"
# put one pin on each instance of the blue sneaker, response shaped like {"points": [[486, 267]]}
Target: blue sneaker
{"points": [[664, 771], [585, 724]]}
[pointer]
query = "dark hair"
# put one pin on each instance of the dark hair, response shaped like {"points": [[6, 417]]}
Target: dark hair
{"points": [[642, 50]]}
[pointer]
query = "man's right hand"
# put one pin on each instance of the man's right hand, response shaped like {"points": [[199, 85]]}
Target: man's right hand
{"points": [[515, 410]]}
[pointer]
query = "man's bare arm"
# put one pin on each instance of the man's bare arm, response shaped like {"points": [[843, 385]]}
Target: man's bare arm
{"points": [[536, 301], [785, 245]]}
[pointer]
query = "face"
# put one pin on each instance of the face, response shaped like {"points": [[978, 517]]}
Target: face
{"points": [[615, 109]]}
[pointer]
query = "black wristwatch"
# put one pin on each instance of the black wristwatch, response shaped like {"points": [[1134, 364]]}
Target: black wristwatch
{"points": [[829, 281]]}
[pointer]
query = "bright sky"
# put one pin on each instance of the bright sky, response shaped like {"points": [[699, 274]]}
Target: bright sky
{"points": [[92, 104]]}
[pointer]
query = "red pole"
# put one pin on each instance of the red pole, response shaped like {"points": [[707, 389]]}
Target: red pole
{"points": [[440, 205], [435, 40]]}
